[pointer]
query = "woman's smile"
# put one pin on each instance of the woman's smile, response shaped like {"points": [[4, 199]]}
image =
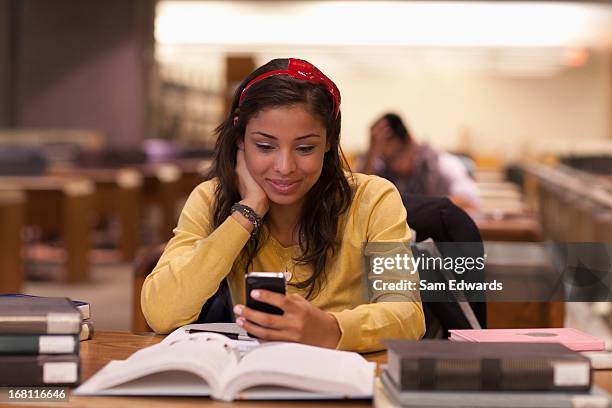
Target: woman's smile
{"points": [[284, 186]]}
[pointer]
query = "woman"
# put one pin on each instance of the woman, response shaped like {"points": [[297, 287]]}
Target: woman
{"points": [[278, 199]]}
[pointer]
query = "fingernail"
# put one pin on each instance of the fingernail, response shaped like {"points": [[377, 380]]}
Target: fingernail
{"points": [[238, 309], [255, 294], [240, 321]]}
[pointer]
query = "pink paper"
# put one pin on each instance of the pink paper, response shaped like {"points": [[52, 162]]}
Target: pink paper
{"points": [[571, 338]]}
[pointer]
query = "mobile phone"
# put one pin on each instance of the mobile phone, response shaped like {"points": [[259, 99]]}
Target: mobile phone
{"points": [[272, 281]]}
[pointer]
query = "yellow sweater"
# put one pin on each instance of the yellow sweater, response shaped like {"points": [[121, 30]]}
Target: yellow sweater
{"points": [[196, 260]]}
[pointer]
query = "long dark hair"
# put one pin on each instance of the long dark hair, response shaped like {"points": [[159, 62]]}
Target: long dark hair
{"points": [[399, 129], [324, 203]]}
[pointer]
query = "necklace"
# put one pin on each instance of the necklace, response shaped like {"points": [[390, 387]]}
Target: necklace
{"points": [[284, 261]]}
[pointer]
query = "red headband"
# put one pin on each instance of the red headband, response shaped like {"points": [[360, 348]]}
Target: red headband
{"points": [[305, 71]]}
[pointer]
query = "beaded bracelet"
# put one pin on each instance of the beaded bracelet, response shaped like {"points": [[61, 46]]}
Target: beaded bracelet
{"points": [[249, 214]]}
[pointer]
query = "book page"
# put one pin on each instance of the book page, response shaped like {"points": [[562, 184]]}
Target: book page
{"points": [[243, 345], [166, 383], [301, 367], [205, 356]]}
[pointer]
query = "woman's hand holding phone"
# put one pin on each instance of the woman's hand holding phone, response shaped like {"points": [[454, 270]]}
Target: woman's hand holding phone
{"points": [[301, 321]]}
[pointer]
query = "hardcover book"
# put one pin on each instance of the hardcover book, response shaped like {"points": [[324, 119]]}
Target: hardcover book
{"points": [[388, 395], [83, 307], [38, 344], [571, 338], [38, 370], [600, 360], [38, 315], [445, 365]]}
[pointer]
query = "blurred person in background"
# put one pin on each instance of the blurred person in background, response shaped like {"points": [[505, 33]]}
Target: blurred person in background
{"points": [[416, 168]]}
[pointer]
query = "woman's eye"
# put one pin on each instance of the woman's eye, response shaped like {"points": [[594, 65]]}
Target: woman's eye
{"points": [[305, 149], [264, 147]]}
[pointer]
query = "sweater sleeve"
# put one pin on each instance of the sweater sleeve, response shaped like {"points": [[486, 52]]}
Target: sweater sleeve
{"points": [[391, 314], [192, 266]]}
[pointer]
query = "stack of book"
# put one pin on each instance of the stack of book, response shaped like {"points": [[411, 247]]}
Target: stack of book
{"points": [[589, 346], [440, 373], [87, 327], [39, 341]]}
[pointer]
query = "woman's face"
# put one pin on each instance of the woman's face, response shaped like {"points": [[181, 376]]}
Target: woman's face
{"points": [[283, 151]]}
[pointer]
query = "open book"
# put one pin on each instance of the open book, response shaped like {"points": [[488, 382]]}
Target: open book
{"points": [[211, 364]]}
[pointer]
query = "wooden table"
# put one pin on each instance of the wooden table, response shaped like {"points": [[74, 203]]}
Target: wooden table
{"points": [[508, 227], [123, 192], [108, 345], [12, 213], [193, 172], [166, 183], [60, 205], [161, 190], [118, 194]]}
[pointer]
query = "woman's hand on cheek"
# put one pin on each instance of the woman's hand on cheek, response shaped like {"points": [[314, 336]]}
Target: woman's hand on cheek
{"points": [[301, 322], [252, 194]]}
